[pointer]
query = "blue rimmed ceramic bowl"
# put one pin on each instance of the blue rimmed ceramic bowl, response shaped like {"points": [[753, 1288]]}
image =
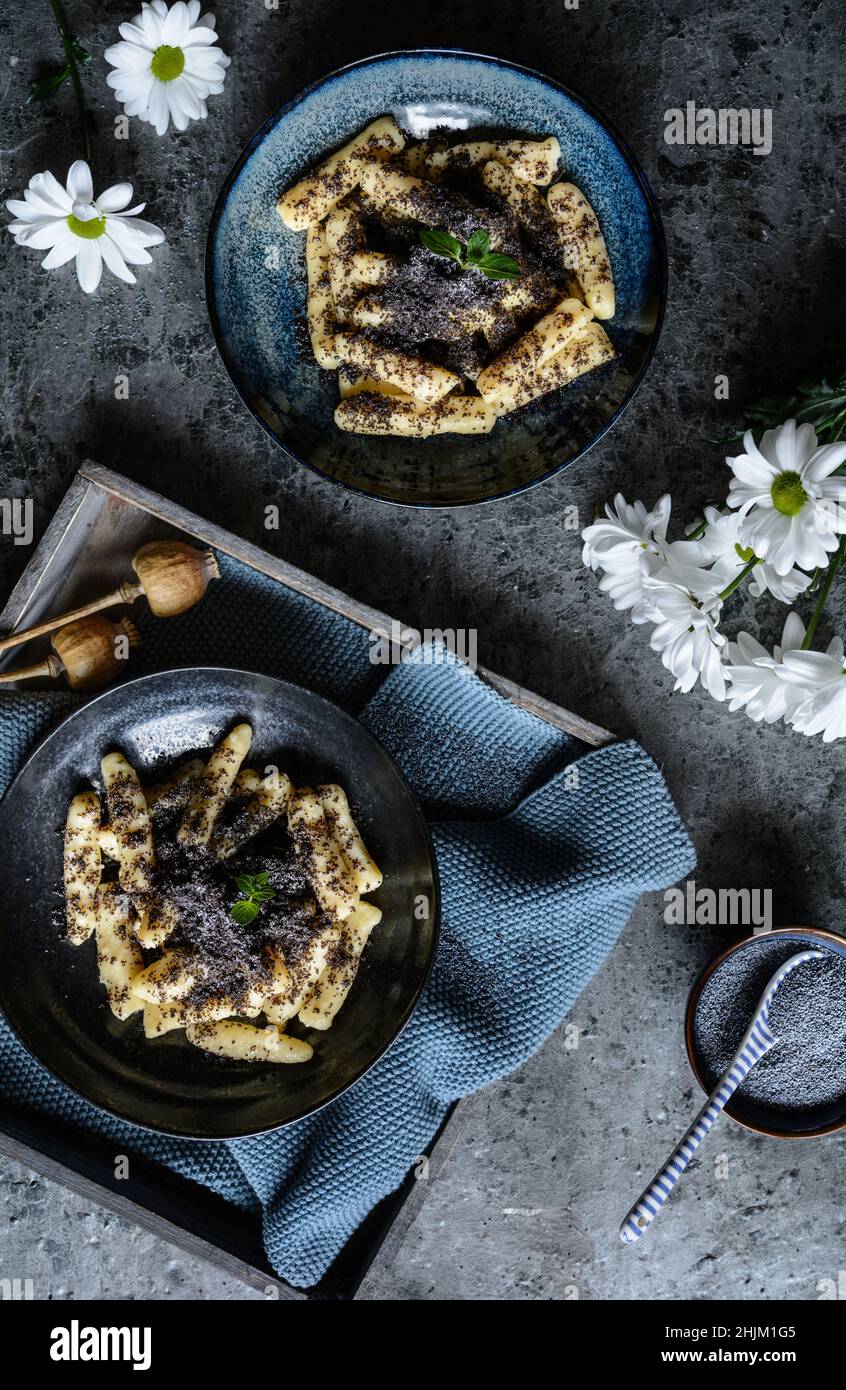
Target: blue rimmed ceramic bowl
{"points": [[255, 276]]}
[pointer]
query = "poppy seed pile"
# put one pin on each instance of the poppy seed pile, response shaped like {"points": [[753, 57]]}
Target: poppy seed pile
{"points": [[807, 1067]]}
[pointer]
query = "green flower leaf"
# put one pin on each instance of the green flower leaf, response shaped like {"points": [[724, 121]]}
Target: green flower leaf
{"points": [[43, 88], [818, 400]]}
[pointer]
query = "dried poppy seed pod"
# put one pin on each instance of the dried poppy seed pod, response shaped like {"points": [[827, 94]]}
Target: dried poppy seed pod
{"points": [[174, 576], [95, 650], [88, 653]]}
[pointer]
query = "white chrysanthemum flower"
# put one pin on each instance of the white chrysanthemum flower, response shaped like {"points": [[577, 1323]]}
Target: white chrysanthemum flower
{"points": [[730, 556], [70, 222], [626, 529], [167, 65], [819, 679], [628, 544], [624, 586], [688, 565], [757, 681], [683, 567], [786, 496], [686, 632], [785, 587]]}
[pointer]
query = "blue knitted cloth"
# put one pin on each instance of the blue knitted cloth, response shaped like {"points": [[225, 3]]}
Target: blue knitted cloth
{"points": [[542, 849]]}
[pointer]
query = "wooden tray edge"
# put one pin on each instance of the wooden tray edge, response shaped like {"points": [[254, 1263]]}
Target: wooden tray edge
{"points": [[302, 582], [94, 476]]}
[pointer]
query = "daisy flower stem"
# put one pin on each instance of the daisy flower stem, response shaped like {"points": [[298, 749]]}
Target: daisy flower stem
{"points": [[739, 578], [836, 562], [68, 45], [815, 580]]}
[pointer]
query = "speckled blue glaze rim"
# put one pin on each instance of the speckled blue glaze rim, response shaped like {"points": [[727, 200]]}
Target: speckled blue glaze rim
{"points": [[392, 55], [803, 936]]}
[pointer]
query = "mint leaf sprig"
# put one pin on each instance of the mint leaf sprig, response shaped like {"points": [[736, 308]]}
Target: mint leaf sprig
{"points": [[476, 255], [255, 889]]}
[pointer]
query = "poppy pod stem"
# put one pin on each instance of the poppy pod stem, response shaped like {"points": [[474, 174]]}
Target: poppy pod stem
{"points": [[172, 576]]}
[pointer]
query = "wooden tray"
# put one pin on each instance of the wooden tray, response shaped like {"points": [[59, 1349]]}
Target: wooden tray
{"points": [[102, 520]]}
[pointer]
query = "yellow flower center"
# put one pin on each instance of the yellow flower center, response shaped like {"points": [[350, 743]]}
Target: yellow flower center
{"points": [[167, 62], [90, 230], [788, 494]]}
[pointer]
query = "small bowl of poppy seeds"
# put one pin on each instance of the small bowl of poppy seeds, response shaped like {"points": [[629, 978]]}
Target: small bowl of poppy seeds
{"points": [[798, 1090]]}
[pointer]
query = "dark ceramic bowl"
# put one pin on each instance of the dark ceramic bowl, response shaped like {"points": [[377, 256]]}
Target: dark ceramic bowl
{"points": [[769, 1120], [49, 990], [255, 276]]}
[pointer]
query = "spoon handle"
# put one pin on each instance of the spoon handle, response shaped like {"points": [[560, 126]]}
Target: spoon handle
{"points": [[757, 1041], [650, 1202]]}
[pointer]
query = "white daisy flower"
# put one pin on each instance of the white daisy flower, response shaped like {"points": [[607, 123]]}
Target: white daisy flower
{"points": [[626, 530], [70, 222], [684, 568], [786, 588], [167, 65], [729, 555], [757, 680], [819, 679], [786, 497], [688, 565], [624, 587], [627, 544], [686, 632]]}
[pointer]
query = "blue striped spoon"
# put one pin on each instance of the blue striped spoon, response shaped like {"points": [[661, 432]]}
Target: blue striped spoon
{"points": [[757, 1042]]}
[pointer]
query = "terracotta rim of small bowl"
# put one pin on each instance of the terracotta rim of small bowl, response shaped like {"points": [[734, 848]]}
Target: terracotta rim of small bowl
{"points": [[816, 933]]}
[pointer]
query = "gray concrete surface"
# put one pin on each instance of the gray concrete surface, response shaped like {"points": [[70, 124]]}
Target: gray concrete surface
{"points": [[548, 1160]]}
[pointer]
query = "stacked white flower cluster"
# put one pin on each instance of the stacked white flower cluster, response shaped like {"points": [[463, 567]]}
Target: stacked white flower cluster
{"points": [[780, 530]]}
